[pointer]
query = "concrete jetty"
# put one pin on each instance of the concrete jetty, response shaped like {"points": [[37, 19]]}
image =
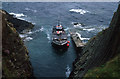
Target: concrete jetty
{"points": [[77, 41]]}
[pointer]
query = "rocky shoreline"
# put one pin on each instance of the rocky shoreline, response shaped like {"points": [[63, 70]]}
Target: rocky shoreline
{"points": [[15, 58], [20, 25], [99, 49]]}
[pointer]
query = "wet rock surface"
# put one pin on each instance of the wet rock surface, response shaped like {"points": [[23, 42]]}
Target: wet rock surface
{"points": [[99, 49], [15, 59]]}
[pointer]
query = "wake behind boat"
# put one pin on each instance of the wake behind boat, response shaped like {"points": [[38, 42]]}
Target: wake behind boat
{"points": [[59, 37]]}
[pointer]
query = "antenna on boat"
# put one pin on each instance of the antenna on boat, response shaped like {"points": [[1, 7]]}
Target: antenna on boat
{"points": [[59, 23]]}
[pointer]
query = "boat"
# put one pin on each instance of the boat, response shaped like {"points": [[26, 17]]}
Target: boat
{"points": [[59, 37]]}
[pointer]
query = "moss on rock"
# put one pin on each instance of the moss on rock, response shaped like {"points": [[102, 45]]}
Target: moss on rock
{"points": [[110, 69], [15, 59]]}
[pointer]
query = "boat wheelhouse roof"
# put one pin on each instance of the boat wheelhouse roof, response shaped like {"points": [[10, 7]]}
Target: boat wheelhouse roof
{"points": [[59, 27]]}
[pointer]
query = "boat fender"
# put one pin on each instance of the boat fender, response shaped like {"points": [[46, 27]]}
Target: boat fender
{"points": [[68, 41], [67, 44]]}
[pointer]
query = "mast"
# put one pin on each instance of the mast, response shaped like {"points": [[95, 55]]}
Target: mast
{"points": [[59, 23]]}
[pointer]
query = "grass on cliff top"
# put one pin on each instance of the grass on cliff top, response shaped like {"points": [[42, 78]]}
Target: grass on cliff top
{"points": [[109, 70]]}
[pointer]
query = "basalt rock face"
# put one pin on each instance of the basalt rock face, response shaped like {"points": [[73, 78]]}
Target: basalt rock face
{"points": [[19, 25], [15, 59], [99, 49]]}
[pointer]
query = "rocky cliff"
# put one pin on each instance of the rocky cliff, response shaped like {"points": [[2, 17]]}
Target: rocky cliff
{"points": [[19, 25], [99, 49], [15, 59]]}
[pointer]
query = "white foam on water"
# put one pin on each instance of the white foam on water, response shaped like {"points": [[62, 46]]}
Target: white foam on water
{"points": [[94, 28], [28, 39], [18, 15], [26, 36], [68, 35], [79, 35], [102, 27], [48, 36], [78, 25], [33, 23], [66, 29], [21, 18], [90, 29], [37, 31], [30, 32], [81, 11], [67, 73], [42, 29], [23, 35]]}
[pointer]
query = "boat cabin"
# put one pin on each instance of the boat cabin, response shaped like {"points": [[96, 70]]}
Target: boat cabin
{"points": [[59, 28]]}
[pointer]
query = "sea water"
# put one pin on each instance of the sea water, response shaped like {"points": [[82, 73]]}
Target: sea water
{"points": [[92, 17]]}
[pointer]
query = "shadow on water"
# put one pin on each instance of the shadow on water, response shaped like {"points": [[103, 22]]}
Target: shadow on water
{"points": [[59, 51]]}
